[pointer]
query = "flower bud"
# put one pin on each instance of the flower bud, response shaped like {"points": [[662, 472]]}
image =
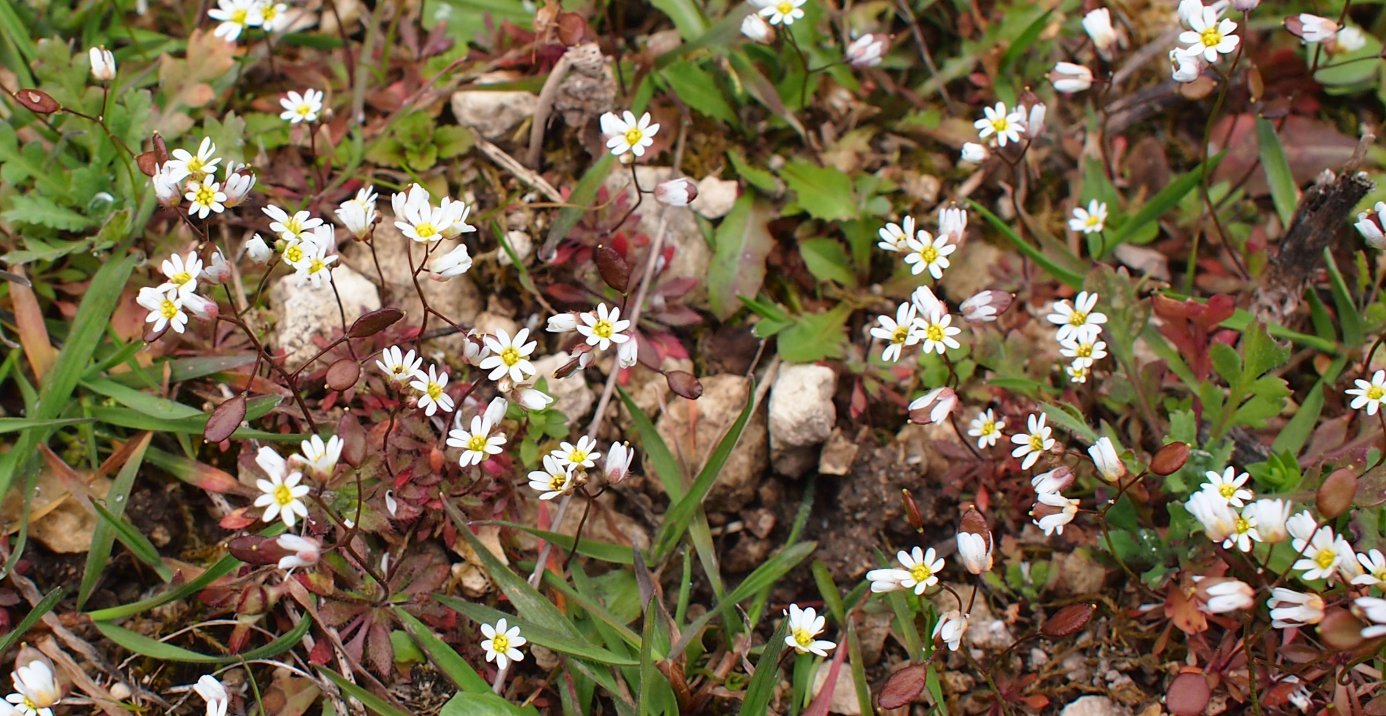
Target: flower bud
{"points": [[1068, 78], [531, 398], [1311, 28], [974, 542], [1035, 112], [676, 192], [1169, 459], [1370, 225], [258, 250], [912, 513], [933, 407], [562, 323], [755, 28], [203, 309], [453, 263], [1335, 495], [238, 185], [299, 551], [1098, 25], [168, 188], [1105, 458], [612, 266], [1218, 595], [1245, 5], [684, 384], [974, 152], [627, 354], [37, 101], [985, 306], [103, 64], [217, 270], [1053, 481], [618, 460], [867, 50]]}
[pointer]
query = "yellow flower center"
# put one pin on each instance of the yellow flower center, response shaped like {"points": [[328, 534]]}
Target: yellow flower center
{"points": [[269, 12], [195, 166], [168, 309], [934, 333], [500, 643], [1093, 220], [426, 230], [434, 391], [989, 427], [397, 369], [634, 135], [240, 16], [303, 110], [283, 496], [1227, 490], [316, 265], [1242, 525], [802, 637], [510, 356], [1084, 350], [293, 254], [1212, 37], [899, 334], [477, 443], [1077, 318], [556, 482], [603, 329], [1376, 392], [1325, 558], [1036, 442], [1000, 124], [577, 457], [929, 254], [180, 278], [1380, 574], [205, 196], [921, 573]]}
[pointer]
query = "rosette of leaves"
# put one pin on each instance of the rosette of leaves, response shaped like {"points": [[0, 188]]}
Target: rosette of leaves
{"points": [[417, 143]]}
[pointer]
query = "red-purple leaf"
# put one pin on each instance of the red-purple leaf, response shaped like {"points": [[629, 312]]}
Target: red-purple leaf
{"points": [[1067, 621], [903, 687], [225, 419], [1188, 694], [375, 322]]}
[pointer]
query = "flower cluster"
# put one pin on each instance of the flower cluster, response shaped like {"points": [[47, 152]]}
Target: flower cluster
{"points": [[600, 328], [1208, 36], [237, 16], [171, 302], [192, 177], [1079, 334]]}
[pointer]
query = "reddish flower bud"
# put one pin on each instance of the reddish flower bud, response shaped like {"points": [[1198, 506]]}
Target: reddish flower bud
{"points": [[912, 513], [676, 192]]}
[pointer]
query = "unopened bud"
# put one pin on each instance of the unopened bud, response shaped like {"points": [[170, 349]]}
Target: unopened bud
{"points": [[1245, 5], [933, 407], [103, 64], [203, 309], [912, 513], [756, 29], [613, 267], [676, 192], [1169, 459], [37, 101], [974, 153], [684, 384], [1336, 493], [985, 306], [1068, 77], [258, 250], [867, 50]]}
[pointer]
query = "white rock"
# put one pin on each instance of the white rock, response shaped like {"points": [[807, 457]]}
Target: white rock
{"points": [[692, 429], [715, 197], [1094, 706], [521, 243], [303, 312], [801, 406], [494, 115], [844, 693], [571, 396]]}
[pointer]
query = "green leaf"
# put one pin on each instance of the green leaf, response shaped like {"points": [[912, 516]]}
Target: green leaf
{"points": [[441, 655], [587, 547], [155, 649], [481, 704], [39, 210], [1227, 363], [766, 676], [10, 425], [1163, 201], [756, 177], [151, 405], [1296, 432], [686, 16], [827, 261], [657, 453], [699, 89], [1348, 317], [739, 248], [574, 644], [44, 606], [1262, 354], [822, 192], [1071, 278], [1278, 176], [814, 336], [102, 536], [1067, 417], [373, 703]]}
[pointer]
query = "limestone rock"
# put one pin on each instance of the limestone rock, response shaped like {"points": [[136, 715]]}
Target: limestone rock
{"points": [[304, 312], [572, 396], [801, 415], [493, 114], [844, 692], [1094, 706], [692, 429], [839, 452], [715, 197]]}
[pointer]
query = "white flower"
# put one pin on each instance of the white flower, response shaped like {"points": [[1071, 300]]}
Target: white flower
{"points": [[933, 406], [399, 367], [1083, 353], [618, 460], [867, 50], [1218, 518], [1370, 223], [432, 387], [184, 165], [554, 480], [583, 454], [1320, 555], [1052, 481], [205, 198], [358, 214], [165, 308], [1035, 441], [1098, 25], [1105, 458], [455, 214], [919, 569], [212, 691], [781, 12], [1369, 395], [938, 334], [951, 626], [895, 237], [925, 302], [258, 250], [303, 551], [974, 551], [418, 219], [1270, 517], [756, 29], [1185, 68], [1374, 610], [626, 134], [290, 228], [804, 626], [973, 152], [37, 689], [1078, 320], [1244, 532], [985, 306], [509, 357], [238, 185], [1006, 127], [1229, 486], [1349, 39], [952, 222], [1208, 36], [200, 308], [1068, 78], [1090, 220], [301, 107], [627, 354], [1077, 372], [676, 192], [1228, 595], [452, 263], [182, 273], [318, 456], [477, 443], [235, 16], [502, 644], [168, 184], [927, 253], [603, 327], [1374, 569], [103, 64], [1302, 526], [1053, 511], [282, 497], [1314, 28], [1289, 608], [314, 265], [272, 15], [1034, 118], [886, 580], [986, 427], [899, 332]]}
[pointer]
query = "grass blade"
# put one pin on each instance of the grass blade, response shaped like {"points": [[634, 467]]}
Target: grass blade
{"points": [[442, 656], [1071, 278], [155, 649], [766, 677], [373, 703], [102, 536], [1282, 183], [44, 606]]}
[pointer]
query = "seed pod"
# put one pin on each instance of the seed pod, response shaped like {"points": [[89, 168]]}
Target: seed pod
{"points": [[160, 148], [343, 374], [374, 322], [1188, 694], [37, 101], [912, 513], [225, 419], [1067, 621], [253, 549], [1340, 629], [353, 440], [567, 369], [1169, 459], [684, 384], [148, 163], [613, 267], [903, 686], [1336, 493]]}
